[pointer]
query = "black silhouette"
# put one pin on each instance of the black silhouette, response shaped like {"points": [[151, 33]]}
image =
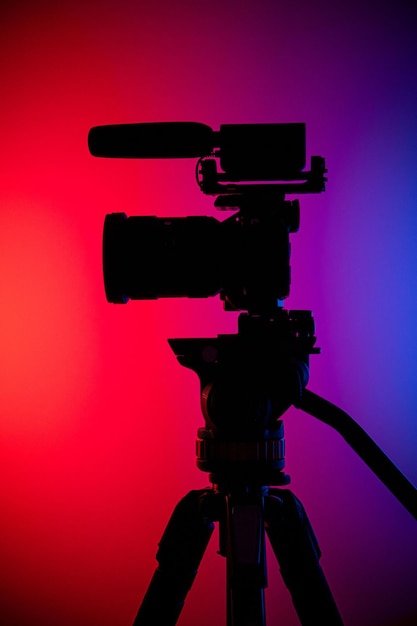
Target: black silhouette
{"points": [[248, 380]]}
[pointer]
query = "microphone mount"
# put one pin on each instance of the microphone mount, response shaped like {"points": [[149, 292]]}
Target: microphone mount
{"points": [[232, 195]]}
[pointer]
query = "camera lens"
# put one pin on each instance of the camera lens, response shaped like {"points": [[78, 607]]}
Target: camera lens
{"points": [[147, 257]]}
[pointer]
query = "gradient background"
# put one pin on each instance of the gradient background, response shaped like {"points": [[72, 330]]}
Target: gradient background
{"points": [[98, 420]]}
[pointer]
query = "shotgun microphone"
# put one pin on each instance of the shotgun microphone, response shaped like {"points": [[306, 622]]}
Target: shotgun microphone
{"points": [[153, 140]]}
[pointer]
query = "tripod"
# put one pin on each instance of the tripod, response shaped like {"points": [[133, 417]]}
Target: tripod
{"points": [[248, 381]]}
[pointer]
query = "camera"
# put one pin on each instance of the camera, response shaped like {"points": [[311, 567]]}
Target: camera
{"points": [[245, 258]]}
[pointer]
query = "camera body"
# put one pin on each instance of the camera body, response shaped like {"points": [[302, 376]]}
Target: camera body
{"points": [[245, 259]]}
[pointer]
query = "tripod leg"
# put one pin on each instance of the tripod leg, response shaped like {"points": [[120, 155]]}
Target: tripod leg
{"points": [[296, 549], [180, 551], [244, 548]]}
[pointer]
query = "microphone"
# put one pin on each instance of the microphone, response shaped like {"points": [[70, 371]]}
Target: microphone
{"points": [[152, 140]]}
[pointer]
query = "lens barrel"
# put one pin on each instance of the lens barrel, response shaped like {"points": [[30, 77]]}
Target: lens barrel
{"points": [[244, 259], [146, 257]]}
